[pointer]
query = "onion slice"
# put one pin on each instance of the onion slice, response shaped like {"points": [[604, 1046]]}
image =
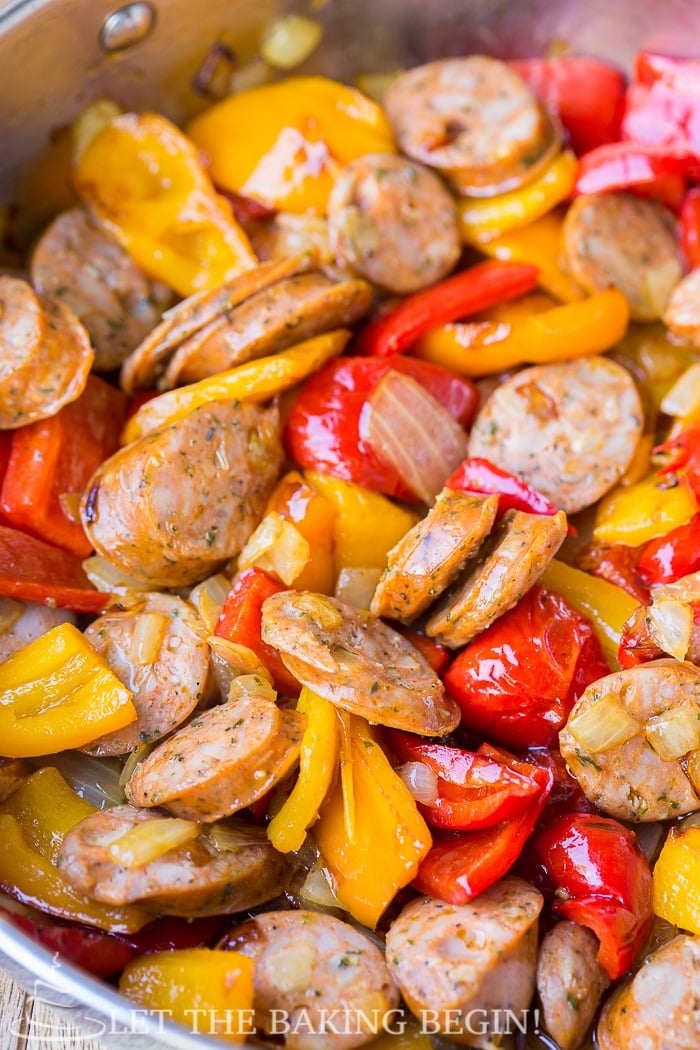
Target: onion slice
{"points": [[606, 724], [421, 781], [675, 732], [671, 623], [683, 399], [410, 431]]}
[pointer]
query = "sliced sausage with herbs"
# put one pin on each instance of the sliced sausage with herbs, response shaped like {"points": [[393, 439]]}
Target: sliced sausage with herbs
{"points": [[221, 762], [309, 966], [570, 982], [199, 877], [357, 662]]}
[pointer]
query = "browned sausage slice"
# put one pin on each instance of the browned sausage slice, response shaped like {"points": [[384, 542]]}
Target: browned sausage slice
{"points": [[195, 879], [310, 966], [514, 558], [393, 222], [622, 241], [570, 429], [357, 662], [159, 651], [682, 313], [93, 275], [144, 366], [474, 119], [45, 355], [431, 554], [627, 777], [660, 1008], [570, 982], [286, 313], [171, 507], [450, 960], [221, 762]]}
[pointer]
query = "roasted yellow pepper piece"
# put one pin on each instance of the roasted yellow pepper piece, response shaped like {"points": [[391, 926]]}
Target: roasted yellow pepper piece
{"points": [[606, 605], [540, 243], [482, 219], [57, 693], [635, 514], [317, 763], [367, 524], [254, 381], [677, 879], [283, 144], [208, 991], [33, 824], [314, 516], [389, 837], [144, 180], [503, 338]]}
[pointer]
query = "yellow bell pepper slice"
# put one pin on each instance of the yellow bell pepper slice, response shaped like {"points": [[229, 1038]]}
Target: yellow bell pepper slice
{"points": [[539, 243], [284, 144], [656, 362], [606, 605], [503, 338], [254, 381], [314, 516], [367, 524], [635, 514], [483, 218], [57, 693], [33, 824], [677, 879], [390, 837], [145, 181], [209, 991], [317, 763]]}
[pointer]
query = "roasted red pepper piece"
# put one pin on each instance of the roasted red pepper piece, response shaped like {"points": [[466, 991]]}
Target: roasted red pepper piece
{"points": [[566, 795], [599, 869], [58, 456], [172, 934], [482, 476], [671, 556], [34, 571], [461, 865], [586, 94], [324, 427], [683, 453], [100, 953], [689, 227], [473, 791], [517, 682], [663, 102], [461, 295], [617, 564], [652, 170], [637, 645], [241, 622]]}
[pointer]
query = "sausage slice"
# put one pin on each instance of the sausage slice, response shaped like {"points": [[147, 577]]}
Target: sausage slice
{"points": [[570, 982], [199, 878], [515, 557], [174, 505], [630, 780], [660, 1008], [570, 429], [393, 222], [357, 662], [622, 241], [286, 313], [682, 313], [221, 762], [309, 967], [159, 651], [431, 554], [450, 960], [93, 275], [474, 119]]}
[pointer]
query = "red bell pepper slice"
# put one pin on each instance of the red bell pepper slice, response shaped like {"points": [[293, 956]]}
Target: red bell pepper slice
{"points": [[324, 427], [58, 456], [669, 557], [482, 476], [241, 622], [517, 682], [689, 232], [637, 646], [465, 293], [587, 95], [33, 571], [617, 564], [652, 170], [683, 453], [459, 866], [566, 795], [102, 954], [663, 102], [172, 933], [599, 869], [473, 791]]}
